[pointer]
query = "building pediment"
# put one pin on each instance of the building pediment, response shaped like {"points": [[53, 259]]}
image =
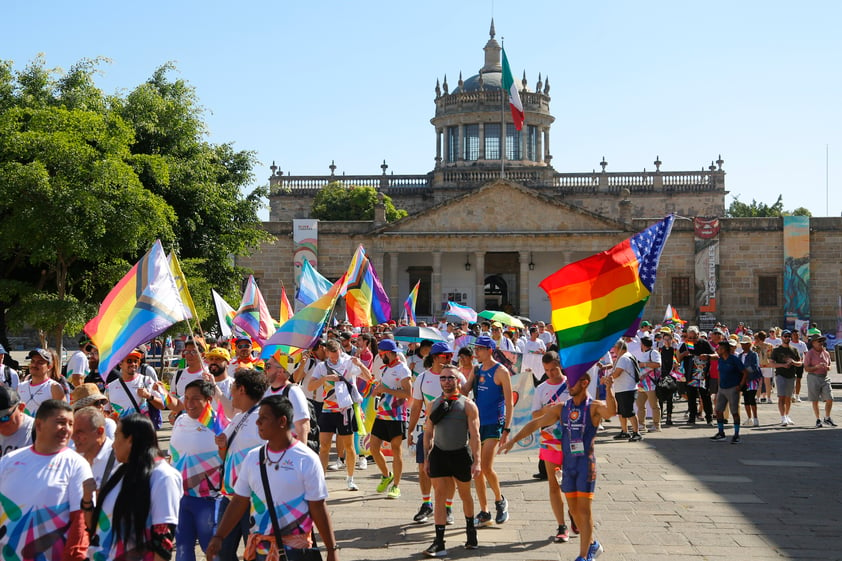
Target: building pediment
{"points": [[501, 207]]}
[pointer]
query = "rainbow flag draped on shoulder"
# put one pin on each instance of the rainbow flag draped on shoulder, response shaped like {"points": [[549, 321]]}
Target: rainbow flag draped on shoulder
{"points": [[599, 299], [144, 304], [366, 303], [409, 305]]}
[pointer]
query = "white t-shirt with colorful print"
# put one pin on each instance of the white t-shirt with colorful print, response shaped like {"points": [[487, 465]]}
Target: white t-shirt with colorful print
{"points": [[37, 494], [120, 400], [391, 408], [196, 456], [298, 479], [546, 394], [34, 395], [345, 368], [165, 493], [244, 441]]}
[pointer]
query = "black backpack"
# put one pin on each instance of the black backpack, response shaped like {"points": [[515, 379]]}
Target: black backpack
{"points": [[636, 368], [313, 435]]}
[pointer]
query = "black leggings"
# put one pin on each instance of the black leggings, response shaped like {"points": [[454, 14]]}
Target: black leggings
{"points": [[692, 403]]}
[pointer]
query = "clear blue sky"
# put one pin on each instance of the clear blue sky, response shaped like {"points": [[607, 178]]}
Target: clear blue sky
{"points": [[303, 83]]}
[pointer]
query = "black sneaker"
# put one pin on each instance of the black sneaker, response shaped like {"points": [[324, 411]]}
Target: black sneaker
{"points": [[436, 550], [735, 439], [483, 519], [502, 507], [829, 422], [635, 437], [718, 436], [424, 513], [472, 538], [622, 436], [561, 535], [818, 424]]}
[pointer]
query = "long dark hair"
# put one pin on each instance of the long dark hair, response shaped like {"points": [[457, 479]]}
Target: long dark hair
{"points": [[131, 509]]}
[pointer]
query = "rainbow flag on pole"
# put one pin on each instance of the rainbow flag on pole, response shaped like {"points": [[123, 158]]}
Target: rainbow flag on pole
{"points": [[215, 420], [286, 309], [599, 299], [409, 305], [366, 303], [144, 304], [253, 316]]}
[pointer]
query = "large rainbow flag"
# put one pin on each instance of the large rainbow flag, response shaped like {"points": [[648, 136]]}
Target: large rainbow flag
{"points": [[366, 303], [144, 304], [599, 299], [301, 330], [409, 305], [253, 317], [285, 311]]}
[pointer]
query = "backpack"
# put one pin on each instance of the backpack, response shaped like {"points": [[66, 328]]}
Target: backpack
{"points": [[313, 435], [636, 368]]}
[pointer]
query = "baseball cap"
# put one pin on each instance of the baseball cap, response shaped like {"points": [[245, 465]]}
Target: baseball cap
{"points": [[43, 353], [218, 352], [387, 345], [3, 350], [9, 399], [645, 324], [137, 353], [496, 324], [786, 332], [717, 331], [246, 339], [441, 348], [485, 341]]}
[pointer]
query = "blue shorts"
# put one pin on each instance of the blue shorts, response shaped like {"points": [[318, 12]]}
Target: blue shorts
{"points": [[487, 432], [578, 476]]}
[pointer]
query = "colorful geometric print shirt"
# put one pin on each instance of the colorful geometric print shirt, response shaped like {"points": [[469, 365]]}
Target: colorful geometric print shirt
{"points": [[391, 408], [345, 368], [195, 455], [37, 494], [550, 394], [295, 477], [245, 440], [165, 494], [120, 400]]}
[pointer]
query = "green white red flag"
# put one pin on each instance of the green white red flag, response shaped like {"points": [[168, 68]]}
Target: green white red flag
{"points": [[514, 97]]}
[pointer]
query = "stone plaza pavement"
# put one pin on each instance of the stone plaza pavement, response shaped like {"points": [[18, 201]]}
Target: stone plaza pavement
{"points": [[676, 495]]}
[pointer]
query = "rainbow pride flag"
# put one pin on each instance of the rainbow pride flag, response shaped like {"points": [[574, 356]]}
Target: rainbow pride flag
{"points": [[215, 420], [285, 311], [409, 305], [253, 317], [302, 329], [366, 303], [599, 299], [144, 304]]}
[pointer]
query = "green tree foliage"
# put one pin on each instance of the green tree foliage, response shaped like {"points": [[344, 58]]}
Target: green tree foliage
{"points": [[90, 181], [338, 202], [739, 209]]}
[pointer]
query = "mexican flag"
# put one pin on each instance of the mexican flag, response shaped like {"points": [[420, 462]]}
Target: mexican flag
{"points": [[514, 98]]}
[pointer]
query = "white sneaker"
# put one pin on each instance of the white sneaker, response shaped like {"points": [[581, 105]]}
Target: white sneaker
{"points": [[351, 485], [783, 421], [789, 421], [797, 399], [336, 466], [756, 422], [362, 463], [643, 429]]}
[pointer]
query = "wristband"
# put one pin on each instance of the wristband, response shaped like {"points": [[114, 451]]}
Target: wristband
{"points": [[506, 429]]}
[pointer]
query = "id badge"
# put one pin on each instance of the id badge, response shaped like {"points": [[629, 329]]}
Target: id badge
{"points": [[577, 447]]}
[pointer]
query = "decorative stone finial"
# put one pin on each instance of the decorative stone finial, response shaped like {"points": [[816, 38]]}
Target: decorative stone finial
{"points": [[547, 86], [604, 164], [273, 167], [332, 168], [491, 31], [719, 162], [540, 85], [712, 166], [657, 163], [438, 89], [460, 81], [523, 81], [444, 85], [384, 167], [481, 82]]}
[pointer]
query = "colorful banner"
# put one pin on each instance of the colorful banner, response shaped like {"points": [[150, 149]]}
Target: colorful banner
{"points": [[796, 270], [305, 237], [706, 238]]}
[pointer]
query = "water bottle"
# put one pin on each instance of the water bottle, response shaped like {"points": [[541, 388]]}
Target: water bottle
{"points": [[558, 475]]}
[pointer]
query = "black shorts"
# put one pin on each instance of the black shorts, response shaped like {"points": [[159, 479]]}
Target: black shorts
{"points": [[387, 430], [799, 372], [451, 463], [625, 403], [343, 424]]}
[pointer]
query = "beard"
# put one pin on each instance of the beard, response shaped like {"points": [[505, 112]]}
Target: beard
{"points": [[216, 369]]}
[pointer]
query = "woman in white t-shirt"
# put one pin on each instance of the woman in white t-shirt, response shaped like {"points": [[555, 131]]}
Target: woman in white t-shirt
{"points": [[137, 508], [40, 387]]}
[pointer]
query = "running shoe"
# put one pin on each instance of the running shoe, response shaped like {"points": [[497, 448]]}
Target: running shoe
{"points": [[362, 463], [829, 422], [423, 513], [502, 507], [450, 521], [385, 481], [336, 466], [755, 422], [789, 420], [819, 424], [436, 550], [595, 550], [718, 436], [635, 437], [394, 493], [351, 485], [561, 535], [622, 436], [482, 519], [735, 439], [472, 542]]}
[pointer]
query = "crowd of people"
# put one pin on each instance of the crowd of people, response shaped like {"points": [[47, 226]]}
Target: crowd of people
{"points": [[106, 490]]}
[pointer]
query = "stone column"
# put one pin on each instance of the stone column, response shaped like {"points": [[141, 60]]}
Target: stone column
{"points": [[482, 141], [435, 282], [547, 156], [539, 146], [393, 284], [460, 153], [523, 283], [439, 133], [523, 142], [479, 276]]}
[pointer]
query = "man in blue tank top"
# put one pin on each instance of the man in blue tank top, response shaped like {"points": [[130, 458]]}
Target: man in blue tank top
{"points": [[492, 387], [577, 419]]}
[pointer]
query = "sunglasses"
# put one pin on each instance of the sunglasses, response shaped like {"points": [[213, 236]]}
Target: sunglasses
{"points": [[5, 418], [244, 346], [132, 361], [447, 377], [190, 352]]}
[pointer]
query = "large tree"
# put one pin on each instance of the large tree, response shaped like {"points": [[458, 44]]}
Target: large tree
{"points": [[90, 181]]}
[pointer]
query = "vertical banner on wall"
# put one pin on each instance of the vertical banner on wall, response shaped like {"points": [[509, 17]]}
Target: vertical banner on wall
{"points": [[796, 270], [706, 250], [305, 237]]}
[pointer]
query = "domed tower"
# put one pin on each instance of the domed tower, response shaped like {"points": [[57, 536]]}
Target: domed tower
{"points": [[473, 120]]}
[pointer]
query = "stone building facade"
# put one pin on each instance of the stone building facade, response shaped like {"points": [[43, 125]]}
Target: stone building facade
{"points": [[493, 218]]}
